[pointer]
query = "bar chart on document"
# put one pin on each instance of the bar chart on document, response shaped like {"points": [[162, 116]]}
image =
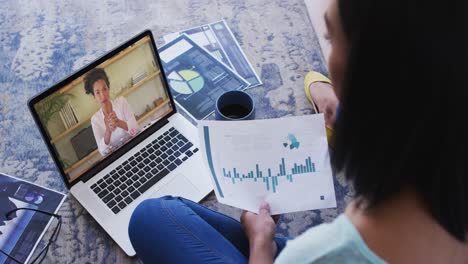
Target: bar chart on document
{"points": [[284, 162]]}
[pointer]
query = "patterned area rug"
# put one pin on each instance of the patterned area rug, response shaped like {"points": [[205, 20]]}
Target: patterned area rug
{"points": [[44, 41]]}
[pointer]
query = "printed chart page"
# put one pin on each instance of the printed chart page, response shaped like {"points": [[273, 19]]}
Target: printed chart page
{"points": [[284, 162], [195, 77], [218, 39]]}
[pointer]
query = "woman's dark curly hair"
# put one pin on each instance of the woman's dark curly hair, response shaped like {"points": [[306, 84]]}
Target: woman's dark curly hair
{"points": [[92, 77]]}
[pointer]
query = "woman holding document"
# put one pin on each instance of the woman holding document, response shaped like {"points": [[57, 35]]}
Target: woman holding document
{"points": [[400, 138]]}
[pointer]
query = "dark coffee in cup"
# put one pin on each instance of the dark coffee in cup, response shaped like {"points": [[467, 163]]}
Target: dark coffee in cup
{"points": [[234, 105], [235, 111]]}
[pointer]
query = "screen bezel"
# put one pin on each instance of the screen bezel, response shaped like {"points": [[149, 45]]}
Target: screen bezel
{"points": [[124, 149]]}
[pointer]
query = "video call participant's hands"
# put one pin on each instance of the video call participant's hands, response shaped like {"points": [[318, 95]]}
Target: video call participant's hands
{"points": [[109, 117], [110, 124], [114, 120], [260, 230]]}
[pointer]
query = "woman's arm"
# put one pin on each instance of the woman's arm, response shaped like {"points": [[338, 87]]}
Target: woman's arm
{"points": [[107, 135], [260, 230], [119, 122], [102, 134], [128, 121], [132, 124], [262, 252]]}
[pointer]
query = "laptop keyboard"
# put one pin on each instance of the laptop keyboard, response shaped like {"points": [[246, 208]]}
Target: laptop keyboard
{"points": [[141, 171]]}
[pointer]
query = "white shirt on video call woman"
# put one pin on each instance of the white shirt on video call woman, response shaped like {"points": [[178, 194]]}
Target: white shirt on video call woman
{"points": [[121, 109]]}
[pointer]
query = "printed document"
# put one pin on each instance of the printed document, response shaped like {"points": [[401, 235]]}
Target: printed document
{"points": [[218, 39], [284, 162], [195, 77]]}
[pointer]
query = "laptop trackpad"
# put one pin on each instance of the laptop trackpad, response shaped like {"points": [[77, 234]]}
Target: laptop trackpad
{"points": [[179, 186]]}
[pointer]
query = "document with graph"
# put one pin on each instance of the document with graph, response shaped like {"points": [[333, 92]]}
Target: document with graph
{"points": [[196, 77], [218, 39], [283, 161]]}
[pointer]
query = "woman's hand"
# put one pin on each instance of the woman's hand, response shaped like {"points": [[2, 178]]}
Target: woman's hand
{"points": [[109, 129], [110, 124], [116, 122], [260, 229], [113, 119]]}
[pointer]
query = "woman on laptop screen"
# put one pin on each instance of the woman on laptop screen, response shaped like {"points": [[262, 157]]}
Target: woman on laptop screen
{"points": [[115, 122]]}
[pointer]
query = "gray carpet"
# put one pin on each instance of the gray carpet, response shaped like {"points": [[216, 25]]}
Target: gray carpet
{"points": [[44, 41]]}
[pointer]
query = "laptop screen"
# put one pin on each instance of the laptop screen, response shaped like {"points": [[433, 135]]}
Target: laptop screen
{"points": [[105, 108]]}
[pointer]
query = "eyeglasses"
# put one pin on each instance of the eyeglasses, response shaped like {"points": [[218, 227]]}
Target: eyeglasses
{"points": [[43, 252]]}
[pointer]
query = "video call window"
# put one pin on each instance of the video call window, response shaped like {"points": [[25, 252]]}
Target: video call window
{"points": [[102, 110]]}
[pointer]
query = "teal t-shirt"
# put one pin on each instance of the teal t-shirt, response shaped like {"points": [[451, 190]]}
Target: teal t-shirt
{"points": [[336, 242]]}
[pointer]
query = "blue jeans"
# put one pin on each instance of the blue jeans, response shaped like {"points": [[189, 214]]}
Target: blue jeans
{"points": [[177, 230]]}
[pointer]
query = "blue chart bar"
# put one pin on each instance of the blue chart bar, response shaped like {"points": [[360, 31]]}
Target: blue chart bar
{"points": [[271, 180], [210, 161]]}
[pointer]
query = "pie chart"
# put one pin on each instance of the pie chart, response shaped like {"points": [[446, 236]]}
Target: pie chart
{"points": [[186, 81]]}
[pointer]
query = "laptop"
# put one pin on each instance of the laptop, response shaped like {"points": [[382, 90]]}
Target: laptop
{"points": [[114, 134]]}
